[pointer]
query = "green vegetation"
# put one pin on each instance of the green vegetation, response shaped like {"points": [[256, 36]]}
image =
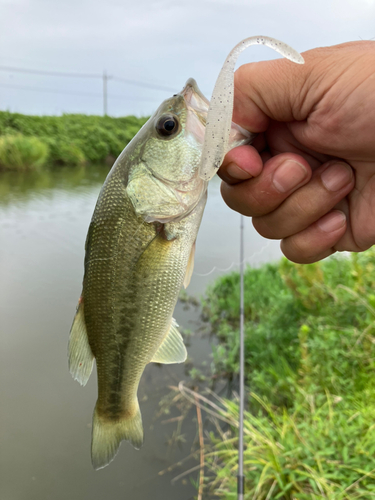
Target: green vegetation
{"points": [[29, 141], [310, 360], [18, 152]]}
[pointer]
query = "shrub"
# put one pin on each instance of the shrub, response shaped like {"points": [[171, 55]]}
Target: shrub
{"points": [[64, 152], [74, 139], [18, 152]]}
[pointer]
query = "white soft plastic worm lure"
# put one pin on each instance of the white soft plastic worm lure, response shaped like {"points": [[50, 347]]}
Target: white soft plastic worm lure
{"points": [[219, 116]]}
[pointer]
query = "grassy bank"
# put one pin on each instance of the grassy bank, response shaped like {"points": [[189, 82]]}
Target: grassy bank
{"points": [[310, 360], [34, 141]]}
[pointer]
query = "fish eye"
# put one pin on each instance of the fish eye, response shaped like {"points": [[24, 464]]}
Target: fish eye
{"points": [[167, 125]]}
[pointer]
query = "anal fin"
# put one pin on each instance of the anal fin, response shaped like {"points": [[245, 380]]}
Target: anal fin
{"points": [[172, 349], [190, 267], [81, 358]]}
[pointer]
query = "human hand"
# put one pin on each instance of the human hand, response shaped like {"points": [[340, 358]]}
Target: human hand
{"points": [[309, 178]]}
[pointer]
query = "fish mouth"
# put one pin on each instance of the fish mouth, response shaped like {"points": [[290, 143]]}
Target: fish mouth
{"points": [[197, 106], [195, 100]]}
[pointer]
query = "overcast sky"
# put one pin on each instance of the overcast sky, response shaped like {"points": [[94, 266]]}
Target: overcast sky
{"points": [[155, 42]]}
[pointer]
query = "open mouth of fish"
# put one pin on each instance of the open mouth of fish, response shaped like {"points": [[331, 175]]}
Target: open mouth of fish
{"points": [[198, 105]]}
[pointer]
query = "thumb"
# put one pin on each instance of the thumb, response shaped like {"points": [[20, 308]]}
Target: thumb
{"points": [[280, 89], [326, 101]]}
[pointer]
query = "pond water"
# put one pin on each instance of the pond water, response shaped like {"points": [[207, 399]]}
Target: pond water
{"points": [[45, 416]]}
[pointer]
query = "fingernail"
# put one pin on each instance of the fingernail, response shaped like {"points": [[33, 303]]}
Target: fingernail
{"points": [[332, 221], [288, 175], [236, 172], [337, 176]]}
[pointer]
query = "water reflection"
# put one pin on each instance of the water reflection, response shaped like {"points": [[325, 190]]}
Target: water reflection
{"points": [[18, 187], [45, 415]]}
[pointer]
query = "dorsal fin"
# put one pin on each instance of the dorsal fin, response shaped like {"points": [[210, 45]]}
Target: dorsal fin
{"points": [[172, 349]]}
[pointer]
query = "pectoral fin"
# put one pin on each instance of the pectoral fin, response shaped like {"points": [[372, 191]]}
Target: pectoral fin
{"points": [[172, 349], [190, 267], [81, 358], [154, 200]]}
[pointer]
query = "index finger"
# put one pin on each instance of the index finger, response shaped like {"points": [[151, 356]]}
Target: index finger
{"points": [[240, 164]]}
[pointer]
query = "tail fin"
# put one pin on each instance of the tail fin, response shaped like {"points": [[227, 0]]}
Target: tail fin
{"points": [[108, 434]]}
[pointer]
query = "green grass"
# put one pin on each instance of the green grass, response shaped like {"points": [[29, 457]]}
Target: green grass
{"points": [[321, 449], [21, 153], [310, 367], [74, 139], [318, 312]]}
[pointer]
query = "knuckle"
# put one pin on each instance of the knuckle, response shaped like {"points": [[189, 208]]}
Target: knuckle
{"points": [[266, 228], [296, 249], [246, 198], [256, 202], [301, 210]]}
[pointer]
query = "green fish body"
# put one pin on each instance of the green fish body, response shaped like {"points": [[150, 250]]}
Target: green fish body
{"points": [[139, 252]]}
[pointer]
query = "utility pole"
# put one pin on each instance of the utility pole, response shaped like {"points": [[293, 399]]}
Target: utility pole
{"points": [[105, 106]]}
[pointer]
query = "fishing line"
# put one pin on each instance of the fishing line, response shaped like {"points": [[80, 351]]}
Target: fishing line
{"points": [[240, 477], [234, 263]]}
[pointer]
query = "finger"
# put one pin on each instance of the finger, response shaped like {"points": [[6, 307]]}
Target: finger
{"points": [[281, 139], [265, 155], [347, 242], [259, 143], [345, 85], [328, 185], [317, 241], [280, 90], [281, 175], [262, 91], [240, 164]]}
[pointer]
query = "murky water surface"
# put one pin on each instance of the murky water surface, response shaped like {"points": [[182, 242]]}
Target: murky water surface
{"points": [[45, 415]]}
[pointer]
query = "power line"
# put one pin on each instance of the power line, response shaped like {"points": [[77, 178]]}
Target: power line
{"points": [[143, 84], [57, 91], [49, 73], [103, 77], [85, 75]]}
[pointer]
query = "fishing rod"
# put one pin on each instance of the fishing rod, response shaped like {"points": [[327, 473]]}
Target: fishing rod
{"points": [[241, 477]]}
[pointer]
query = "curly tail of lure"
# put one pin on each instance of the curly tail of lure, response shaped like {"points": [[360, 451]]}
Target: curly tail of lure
{"points": [[215, 147], [221, 105]]}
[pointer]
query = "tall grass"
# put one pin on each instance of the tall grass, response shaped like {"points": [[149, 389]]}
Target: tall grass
{"points": [[320, 450], [21, 153], [310, 367]]}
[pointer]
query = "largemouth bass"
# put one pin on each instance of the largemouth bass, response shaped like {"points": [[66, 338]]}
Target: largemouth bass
{"points": [[140, 250]]}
